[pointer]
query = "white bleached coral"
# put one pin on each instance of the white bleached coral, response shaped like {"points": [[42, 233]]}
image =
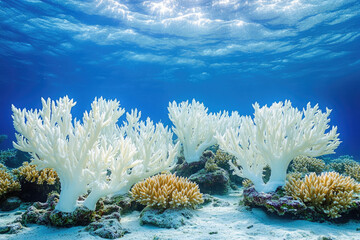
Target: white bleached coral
{"points": [[276, 135], [147, 149], [93, 154], [70, 147], [195, 128]]}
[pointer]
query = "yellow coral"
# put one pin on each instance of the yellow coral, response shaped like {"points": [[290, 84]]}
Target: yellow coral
{"points": [[303, 164], [167, 191], [29, 172], [330, 192], [7, 182]]}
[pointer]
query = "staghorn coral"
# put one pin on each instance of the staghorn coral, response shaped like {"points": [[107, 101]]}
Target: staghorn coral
{"points": [[329, 193], [303, 164], [167, 191], [7, 182], [31, 174]]}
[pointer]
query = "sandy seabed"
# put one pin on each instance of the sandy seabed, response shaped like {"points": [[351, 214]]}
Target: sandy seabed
{"points": [[227, 221]]}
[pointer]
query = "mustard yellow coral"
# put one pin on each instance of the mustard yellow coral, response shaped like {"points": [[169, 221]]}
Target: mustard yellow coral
{"points": [[30, 174], [330, 192], [167, 191], [7, 182]]}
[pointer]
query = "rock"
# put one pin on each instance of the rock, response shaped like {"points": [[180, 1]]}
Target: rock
{"points": [[273, 202], [169, 218], [107, 227], [44, 214], [127, 203], [216, 182], [124, 203], [277, 203], [82, 216], [287, 206], [187, 169], [10, 203], [4, 229], [11, 228]]}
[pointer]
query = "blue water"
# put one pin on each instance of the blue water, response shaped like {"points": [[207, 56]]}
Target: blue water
{"points": [[227, 54]]}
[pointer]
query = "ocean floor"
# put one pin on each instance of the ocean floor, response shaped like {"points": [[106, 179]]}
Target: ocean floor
{"points": [[226, 221]]}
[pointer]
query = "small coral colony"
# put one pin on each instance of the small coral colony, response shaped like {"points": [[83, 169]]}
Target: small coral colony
{"points": [[272, 153]]}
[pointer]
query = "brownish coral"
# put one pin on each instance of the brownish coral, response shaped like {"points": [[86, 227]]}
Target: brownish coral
{"points": [[222, 159], [167, 191], [211, 166], [246, 183], [353, 170], [339, 165], [7, 182], [31, 174], [330, 192], [303, 164]]}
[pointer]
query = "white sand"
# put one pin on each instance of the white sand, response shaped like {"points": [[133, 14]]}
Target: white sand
{"points": [[229, 222]]}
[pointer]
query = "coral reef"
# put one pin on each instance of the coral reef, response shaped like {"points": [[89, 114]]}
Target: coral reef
{"points": [[329, 193], [167, 191], [7, 183], [303, 164]]}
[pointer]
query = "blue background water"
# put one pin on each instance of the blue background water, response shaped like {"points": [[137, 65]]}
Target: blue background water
{"points": [[227, 54]]}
